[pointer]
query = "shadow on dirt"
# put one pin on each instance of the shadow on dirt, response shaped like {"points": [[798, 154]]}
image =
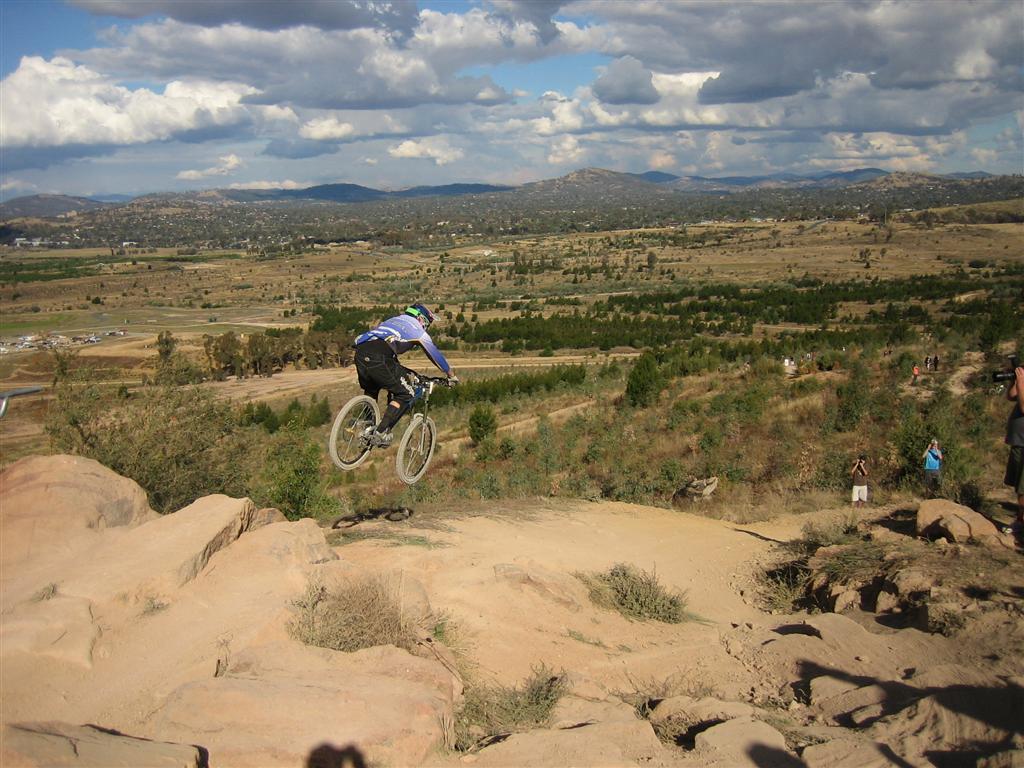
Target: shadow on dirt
{"points": [[394, 514]]}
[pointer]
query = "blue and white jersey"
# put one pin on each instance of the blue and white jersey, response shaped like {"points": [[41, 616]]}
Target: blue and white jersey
{"points": [[404, 332]]}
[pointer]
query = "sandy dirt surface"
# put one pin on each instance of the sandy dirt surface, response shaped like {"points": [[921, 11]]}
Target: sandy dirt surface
{"points": [[512, 628]]}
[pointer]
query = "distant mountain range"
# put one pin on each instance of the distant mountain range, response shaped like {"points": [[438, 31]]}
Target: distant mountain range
{"points": [[585, 184]]}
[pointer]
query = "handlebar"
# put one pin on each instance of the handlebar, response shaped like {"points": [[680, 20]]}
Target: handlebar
{"points": [[441, 380], [5, 397], [427, 383]]}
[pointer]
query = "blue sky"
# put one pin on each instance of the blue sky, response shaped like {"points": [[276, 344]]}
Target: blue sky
{"points": [[118, 96]]}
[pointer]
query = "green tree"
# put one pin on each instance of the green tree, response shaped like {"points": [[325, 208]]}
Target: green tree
{"points": [[291, 479], [482, 423], [644, 382]]}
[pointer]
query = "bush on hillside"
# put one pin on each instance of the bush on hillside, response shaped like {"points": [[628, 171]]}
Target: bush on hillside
{"points": [[635, 594], [644, 382], [491, 710], [482, 424], [177, 443], [362, 612], [291, 479]]}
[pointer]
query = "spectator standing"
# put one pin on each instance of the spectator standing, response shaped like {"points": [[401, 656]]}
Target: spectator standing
{"points": [[932, 467], [916, 372], [935, 362], [1014, 476], [859, 475]]}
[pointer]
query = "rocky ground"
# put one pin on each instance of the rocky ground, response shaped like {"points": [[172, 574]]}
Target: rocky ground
{"points": [[133, 639]]}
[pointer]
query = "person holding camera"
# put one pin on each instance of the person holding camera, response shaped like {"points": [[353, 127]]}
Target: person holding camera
{"points": [[932, 467], [1014, 476], [859, 473]]}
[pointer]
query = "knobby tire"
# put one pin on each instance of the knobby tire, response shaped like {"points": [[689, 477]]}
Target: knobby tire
{"points": [[346, 444], [416, 449]]}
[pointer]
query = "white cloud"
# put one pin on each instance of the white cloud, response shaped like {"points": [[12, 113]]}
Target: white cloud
{"points": [[11, 183], [434, 148], [286, 184], [660, 160], [366, 68], [276, 113], [709, 86], [984, 156], [56, 103], [565, 150], [326, 129], [225, 165]]}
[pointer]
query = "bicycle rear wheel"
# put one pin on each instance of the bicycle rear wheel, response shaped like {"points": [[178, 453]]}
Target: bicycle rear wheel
{"points": [[416, 449], [347, 447]]}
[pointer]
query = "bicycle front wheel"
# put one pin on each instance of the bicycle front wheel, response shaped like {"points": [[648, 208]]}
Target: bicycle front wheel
{"points": [[416, 448], [347, 447]]}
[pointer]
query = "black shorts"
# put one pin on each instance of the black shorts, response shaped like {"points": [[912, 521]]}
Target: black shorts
{"points": [[378, 368]]}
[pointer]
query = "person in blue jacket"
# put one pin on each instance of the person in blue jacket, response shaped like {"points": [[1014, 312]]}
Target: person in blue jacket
{"points": [[376, 357], [932, 467]]}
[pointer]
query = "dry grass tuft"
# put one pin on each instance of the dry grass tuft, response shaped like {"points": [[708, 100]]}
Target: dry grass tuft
{"points": [[493, 710], [636, 594], [360, 613]]}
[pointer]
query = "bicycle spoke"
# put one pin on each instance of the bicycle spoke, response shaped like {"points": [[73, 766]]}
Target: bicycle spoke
{"points": [[347, 447]]}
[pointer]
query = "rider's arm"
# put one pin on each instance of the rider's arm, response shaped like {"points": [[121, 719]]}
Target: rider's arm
{"points": [[434, 353]]}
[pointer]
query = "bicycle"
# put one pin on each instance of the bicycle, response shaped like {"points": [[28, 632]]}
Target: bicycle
{"points": [[5, 397], [349, 445]]}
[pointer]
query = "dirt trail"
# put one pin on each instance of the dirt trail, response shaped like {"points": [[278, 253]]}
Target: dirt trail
{"points": [[972, 363], [513, 627], [298, 382]]}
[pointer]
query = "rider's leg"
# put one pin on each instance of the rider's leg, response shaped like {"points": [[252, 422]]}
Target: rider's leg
{"points": [[400, 399]]}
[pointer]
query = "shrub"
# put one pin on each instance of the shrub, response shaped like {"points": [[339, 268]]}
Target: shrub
{"points": [[291, 479], [644, 382], [635, 594], [853, 399], [177, 443], [491, 710], [482, 424], [360, 613]]}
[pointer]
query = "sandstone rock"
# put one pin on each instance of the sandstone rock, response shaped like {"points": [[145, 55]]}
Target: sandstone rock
{"points": [[849, 753], [825, 687], [940, 517], [572, 711], [266, 516], [56, 745], [1011, 758], [855, 706], [843, 599], [745, 742], [58, 627], [886, 602], [244, 593], [274, 706], [560, 587], [162, 555], [689, 712], [832, 644], [910, 581], [53, 505], [953, 718], [602, 745]]}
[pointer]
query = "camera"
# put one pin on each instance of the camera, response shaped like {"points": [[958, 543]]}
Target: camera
{"points": [[1007, 375]]}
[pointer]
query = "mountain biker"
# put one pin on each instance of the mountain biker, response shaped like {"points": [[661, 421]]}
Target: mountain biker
{"points": [[376, 356]]}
